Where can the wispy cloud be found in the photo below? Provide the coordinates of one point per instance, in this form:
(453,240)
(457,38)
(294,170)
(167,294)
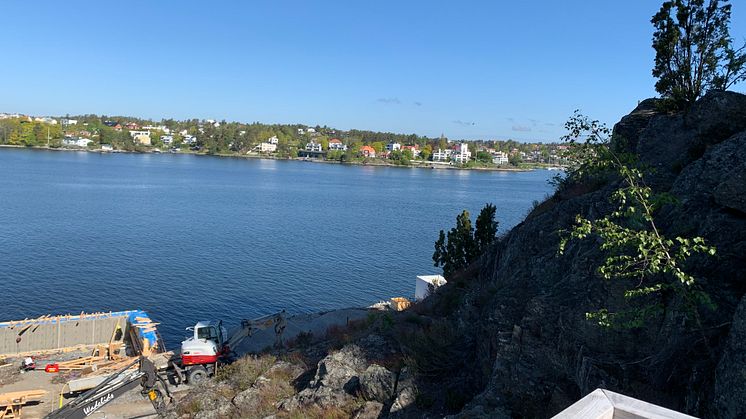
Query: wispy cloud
(417,103)
(463,123)
(389,100)
(521,128)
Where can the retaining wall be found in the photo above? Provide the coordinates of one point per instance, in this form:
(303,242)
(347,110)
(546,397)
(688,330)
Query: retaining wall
(58,332)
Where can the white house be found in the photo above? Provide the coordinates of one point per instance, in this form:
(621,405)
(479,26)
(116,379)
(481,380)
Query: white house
(46,120)
(167,139)
(461,154)
(189,139)
(393,146)
(500,158)
(442,155)
(335,144)
(267,147)
(107,147)
(76,141)
(311,130)
(273,140)
(313,146)
(69,121)
(163,128)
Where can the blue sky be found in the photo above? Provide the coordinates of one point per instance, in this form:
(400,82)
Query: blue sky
(468,69)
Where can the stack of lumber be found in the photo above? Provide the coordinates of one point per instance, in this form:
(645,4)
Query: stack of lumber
(84,364)
(145,324)
(103,358)
(10,403)
(400,303)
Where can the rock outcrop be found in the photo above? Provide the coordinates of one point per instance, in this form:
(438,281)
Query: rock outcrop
(526,308)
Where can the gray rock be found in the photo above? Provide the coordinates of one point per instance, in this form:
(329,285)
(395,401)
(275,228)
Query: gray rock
(247,400)
(371,410)
(730,378)
(377,384)
(730,193)
(406,393)
(336,380)
(340,370)
(322,396)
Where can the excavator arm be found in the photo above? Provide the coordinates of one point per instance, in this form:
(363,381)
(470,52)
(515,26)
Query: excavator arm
(248,327)
(124,380)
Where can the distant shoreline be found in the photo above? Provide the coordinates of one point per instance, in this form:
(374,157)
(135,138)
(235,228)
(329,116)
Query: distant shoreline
(415,165)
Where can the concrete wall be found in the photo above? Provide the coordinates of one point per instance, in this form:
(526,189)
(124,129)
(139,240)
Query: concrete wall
(58,332)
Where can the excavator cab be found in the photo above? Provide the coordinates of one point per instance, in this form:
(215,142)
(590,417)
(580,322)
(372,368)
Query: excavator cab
(213,331)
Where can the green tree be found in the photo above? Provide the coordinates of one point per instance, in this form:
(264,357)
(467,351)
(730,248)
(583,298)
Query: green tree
(426,152)
(693,50)
(635,247)
(378,146)
(462,244)
(324,141)
(486,228)
(484,157)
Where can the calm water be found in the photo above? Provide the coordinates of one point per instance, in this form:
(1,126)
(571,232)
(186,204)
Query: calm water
(190,238)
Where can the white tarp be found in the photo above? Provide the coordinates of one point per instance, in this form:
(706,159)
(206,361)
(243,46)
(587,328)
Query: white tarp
(426,283)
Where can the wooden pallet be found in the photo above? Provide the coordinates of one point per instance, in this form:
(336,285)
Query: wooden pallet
(11,403)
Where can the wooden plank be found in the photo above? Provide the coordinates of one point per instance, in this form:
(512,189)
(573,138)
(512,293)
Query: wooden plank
(21,397)
(593,406)
(80,363)
(626,407)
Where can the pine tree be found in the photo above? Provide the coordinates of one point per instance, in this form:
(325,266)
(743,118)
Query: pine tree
(694,50)
(462,244)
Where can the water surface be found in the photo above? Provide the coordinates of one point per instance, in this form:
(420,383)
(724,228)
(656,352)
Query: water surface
(190,238)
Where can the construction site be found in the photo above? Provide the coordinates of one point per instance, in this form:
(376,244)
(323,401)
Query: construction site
(115,364)
(46,361)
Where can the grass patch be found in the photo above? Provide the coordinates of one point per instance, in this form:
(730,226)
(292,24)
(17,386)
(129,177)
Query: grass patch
(243,373)
(191,408)
(345,411)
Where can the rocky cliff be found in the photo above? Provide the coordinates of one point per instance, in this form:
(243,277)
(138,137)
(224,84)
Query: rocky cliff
(508,337)
(554,355)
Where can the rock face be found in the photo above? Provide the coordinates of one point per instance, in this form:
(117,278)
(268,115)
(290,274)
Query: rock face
(377,384)
(729,400)
(525,310)
(347,375)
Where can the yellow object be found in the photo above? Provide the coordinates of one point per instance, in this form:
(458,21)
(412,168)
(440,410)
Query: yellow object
(400,303)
